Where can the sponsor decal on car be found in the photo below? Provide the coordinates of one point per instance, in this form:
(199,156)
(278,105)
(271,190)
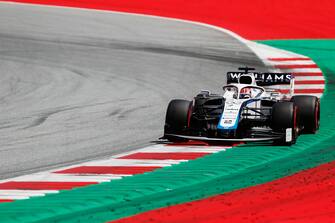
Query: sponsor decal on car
(262,79)
(230,116)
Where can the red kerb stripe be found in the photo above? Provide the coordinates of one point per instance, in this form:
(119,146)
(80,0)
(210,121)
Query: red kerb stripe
(108,170)
(164,156)
(289,59)
(189,143)
(309,74)
(293,66)
(14,185)
(5,200)
(302,91)
(310,82)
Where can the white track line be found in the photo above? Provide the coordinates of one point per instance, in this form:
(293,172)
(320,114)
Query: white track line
(132,162)
(25,193)
(319,95)
(265,52)
(15,197)
(297,86)
(302,70)
(306,78)
(180,149)
(303,62)
(53,177)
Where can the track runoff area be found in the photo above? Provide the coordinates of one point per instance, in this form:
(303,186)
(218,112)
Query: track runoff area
(309,80)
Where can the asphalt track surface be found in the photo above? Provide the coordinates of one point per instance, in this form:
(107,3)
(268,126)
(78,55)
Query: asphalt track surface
(78,84)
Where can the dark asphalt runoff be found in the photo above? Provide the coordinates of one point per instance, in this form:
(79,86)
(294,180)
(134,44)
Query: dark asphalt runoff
(77,85)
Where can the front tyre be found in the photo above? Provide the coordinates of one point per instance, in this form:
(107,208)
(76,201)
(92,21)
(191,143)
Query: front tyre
(177,118)
(284,116)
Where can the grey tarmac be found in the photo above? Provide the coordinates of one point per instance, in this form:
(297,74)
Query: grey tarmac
(77,85)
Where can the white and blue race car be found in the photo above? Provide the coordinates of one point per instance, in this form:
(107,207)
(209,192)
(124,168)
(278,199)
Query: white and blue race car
(244,112)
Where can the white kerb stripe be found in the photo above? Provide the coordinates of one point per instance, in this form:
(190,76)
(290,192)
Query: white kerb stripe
(313,94)
(179,149)
(299,86)
(29,193)
(301,62)
(306,78)
(302,70)
(14,197)
(132,162)
(52,177)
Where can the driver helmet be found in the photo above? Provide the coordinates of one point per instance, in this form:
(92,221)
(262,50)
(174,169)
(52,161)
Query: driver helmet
(245,92)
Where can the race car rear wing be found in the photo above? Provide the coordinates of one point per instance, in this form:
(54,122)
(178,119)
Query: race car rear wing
(262,79)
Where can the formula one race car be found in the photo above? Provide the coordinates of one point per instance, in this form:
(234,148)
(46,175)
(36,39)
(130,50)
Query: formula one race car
(246,111)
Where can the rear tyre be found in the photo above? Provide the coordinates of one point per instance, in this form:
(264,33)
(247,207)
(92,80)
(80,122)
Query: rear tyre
(284,116)
(177,118)
(308,112)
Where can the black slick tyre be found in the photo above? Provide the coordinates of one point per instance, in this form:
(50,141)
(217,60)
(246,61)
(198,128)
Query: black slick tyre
(284,116)
(308,112)
(177,118)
